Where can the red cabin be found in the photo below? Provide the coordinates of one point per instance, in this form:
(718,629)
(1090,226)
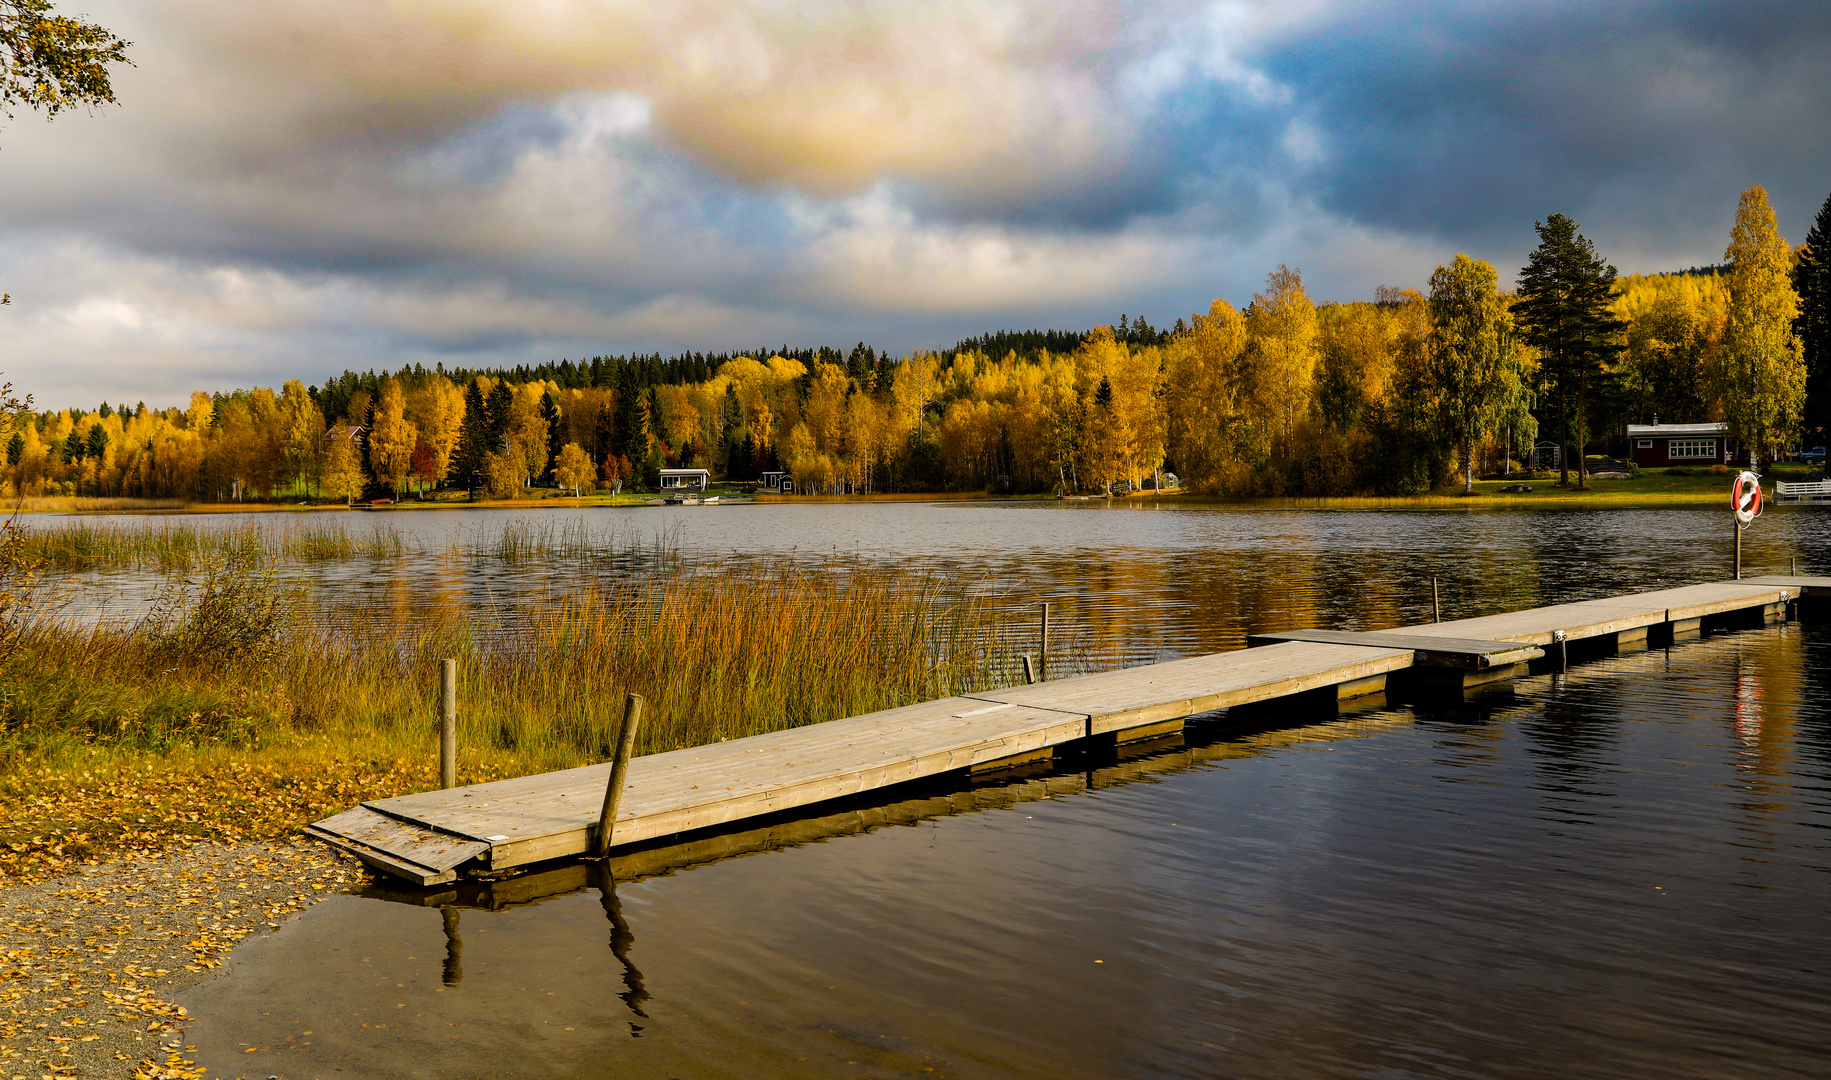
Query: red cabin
(1657,445)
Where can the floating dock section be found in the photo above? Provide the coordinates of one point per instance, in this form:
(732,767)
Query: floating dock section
(429,837)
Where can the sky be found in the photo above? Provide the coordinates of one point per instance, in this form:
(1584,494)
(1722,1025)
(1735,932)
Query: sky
(295,187)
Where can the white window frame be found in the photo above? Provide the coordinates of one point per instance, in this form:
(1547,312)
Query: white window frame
(1691,449)
(1643,444)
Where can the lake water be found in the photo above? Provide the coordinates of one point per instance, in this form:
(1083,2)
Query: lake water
(1128,583)
(1625,870)
(1620,871)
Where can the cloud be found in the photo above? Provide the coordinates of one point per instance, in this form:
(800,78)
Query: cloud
(296,186)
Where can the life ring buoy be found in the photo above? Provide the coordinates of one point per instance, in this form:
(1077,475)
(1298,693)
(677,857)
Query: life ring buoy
(1745,497)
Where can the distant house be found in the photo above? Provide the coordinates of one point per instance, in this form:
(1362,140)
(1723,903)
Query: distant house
(777,480)
(1657,445)
(685,481)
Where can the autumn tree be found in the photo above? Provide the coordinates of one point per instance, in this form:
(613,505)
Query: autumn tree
(302,431)
(51,62)
(342,464)
(1282,322)
(524,437)
(1761,372)
(436,408)
(1812,281)
(1564,309)
(392,437)
(572,468)
(1204,368)
(1470,354)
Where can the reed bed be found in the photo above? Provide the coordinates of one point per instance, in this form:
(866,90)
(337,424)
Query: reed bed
(179,545)
(232,657)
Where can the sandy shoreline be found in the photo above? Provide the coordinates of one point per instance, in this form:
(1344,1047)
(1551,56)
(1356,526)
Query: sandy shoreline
(90,959)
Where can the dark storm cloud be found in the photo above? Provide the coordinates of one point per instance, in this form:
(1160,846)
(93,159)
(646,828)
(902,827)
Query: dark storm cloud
(1647,120)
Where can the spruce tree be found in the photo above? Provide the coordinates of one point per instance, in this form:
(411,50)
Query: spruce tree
(1564,308)
(1812,280)
(473,439)
(556,434)
(496,416)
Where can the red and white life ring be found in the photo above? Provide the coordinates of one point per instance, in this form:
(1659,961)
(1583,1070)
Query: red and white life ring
(1745,497)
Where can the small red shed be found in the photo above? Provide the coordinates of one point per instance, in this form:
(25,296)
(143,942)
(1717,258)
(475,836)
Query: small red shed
(1657,445)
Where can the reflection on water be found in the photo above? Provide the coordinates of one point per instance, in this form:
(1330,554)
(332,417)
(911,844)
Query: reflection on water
(1620,870)
(1128,584)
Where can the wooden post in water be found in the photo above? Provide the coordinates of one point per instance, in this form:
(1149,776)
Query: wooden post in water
(448,723)
(1436,612)
(1043,655)
(613,791)
(1792,566)
(1029,671)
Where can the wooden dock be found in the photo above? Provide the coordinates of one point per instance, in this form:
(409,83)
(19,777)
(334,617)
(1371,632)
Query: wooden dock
(427,838)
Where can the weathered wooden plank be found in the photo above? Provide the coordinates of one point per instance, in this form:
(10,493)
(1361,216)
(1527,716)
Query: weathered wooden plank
(1133,697)
(1444,651)
(414,843)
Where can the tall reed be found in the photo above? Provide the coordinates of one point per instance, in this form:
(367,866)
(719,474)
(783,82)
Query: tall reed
(718,654)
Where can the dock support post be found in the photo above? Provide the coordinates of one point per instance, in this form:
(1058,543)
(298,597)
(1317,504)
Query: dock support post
(448,723)
(1043,653)
(1563,649)
(613,791)
(1436,612)
(1029,671)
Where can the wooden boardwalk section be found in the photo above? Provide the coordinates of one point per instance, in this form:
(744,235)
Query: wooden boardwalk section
(426,838)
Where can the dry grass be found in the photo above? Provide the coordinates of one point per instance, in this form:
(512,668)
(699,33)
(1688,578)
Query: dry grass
(180,544)
(36,504)
(235,684)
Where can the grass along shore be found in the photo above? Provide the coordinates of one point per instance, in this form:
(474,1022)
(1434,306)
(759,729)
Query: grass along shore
(240,709)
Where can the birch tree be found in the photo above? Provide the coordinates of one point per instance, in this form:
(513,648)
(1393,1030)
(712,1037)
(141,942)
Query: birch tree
(1469,354)
(1761,370)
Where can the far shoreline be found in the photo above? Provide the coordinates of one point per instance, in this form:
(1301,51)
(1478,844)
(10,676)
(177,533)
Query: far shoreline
(1652,488)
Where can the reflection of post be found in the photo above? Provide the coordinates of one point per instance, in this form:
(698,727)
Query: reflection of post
(621,940)
(454,947)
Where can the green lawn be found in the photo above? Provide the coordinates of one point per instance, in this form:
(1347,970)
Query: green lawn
(1652,485)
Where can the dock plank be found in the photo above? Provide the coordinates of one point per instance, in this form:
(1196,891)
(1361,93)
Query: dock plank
(1176,689)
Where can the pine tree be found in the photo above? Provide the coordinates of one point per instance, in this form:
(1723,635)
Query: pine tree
(1812,280)
(1760,371)
(1565,309)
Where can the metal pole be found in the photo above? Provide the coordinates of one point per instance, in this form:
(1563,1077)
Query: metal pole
(448,723)
(613,791)
(1738,551)
(1436,611)
(1043,655)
